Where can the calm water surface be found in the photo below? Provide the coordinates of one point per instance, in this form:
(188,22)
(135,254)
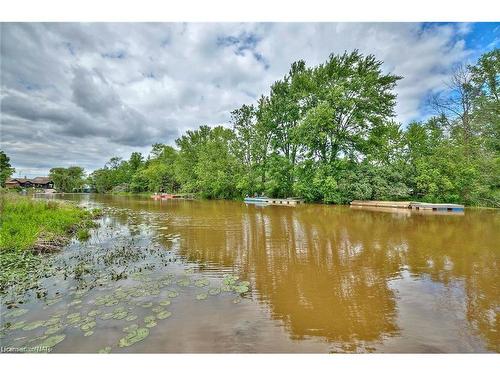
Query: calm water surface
(322,279)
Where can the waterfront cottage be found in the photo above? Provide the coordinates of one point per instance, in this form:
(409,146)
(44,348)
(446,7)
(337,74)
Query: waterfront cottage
(37,182)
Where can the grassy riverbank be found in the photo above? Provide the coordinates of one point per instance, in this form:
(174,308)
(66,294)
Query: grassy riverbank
(29,227)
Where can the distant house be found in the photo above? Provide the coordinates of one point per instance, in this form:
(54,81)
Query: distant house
(37,182)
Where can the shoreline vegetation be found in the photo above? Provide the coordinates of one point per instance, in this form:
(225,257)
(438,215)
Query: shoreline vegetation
(31,227)
(328,134)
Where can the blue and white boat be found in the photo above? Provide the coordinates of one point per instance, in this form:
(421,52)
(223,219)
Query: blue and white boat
(256,199)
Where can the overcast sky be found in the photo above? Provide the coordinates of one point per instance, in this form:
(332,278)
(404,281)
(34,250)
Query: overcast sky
(78,94)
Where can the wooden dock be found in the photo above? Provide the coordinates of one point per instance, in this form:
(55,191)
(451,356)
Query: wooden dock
(274,201)
(388,204)
(410,205)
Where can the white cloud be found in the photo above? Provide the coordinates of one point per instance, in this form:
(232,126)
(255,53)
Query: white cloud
(81,93)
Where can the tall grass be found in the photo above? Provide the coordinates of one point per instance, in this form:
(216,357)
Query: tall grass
(24,222)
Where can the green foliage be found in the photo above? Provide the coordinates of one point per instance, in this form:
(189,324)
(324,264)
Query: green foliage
(327,134)
(68,179)
(6,169)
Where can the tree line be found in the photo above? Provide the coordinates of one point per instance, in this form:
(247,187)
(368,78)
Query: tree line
(327,134)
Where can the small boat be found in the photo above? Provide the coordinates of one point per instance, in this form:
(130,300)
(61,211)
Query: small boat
(256,199)
(274,201)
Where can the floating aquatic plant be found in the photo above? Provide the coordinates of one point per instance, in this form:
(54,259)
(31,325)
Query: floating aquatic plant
(88,326)
(88,333)
(130,328)
(149,318)
(184,282)
(53,329)
(15,313)
(105,350)
(133,337)
(163,314)
(202,283)
(94,312)
(172,294)
(119,313)
(52,341)
(17,325)
(106,316)
(33,325)
(201,296)
(214,291)
(131,317)
(165,302)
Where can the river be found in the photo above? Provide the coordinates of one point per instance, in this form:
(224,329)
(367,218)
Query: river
(224,276)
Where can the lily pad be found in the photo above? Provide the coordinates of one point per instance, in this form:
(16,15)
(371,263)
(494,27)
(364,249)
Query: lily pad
(106,316)
(88,326)
(34,325)
(88,333)
(105,350)
(241,289)
(52,341)
(53,329)
(147,305)
(17,325)
(183,282)
(202,283)
(201,296)
(214,291)
(172,294)
(51,322)
(165,303)
(15,313)
(163,314)
(94,312)
(131,317)
(120,315)
(133,337)
(130,328)
(157,309)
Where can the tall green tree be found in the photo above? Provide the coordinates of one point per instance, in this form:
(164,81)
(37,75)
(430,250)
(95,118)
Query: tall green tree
(68,179)
(6,169)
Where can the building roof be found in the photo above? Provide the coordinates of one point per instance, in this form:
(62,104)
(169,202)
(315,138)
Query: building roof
(40,180)
(36,180)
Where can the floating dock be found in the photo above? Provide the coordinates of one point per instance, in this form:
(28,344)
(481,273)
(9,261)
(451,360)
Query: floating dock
(274,201)
(387,204)
(410,205)
(165,196)
(436,206)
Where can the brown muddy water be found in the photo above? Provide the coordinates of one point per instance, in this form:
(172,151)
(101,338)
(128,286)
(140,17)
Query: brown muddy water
(220,276)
